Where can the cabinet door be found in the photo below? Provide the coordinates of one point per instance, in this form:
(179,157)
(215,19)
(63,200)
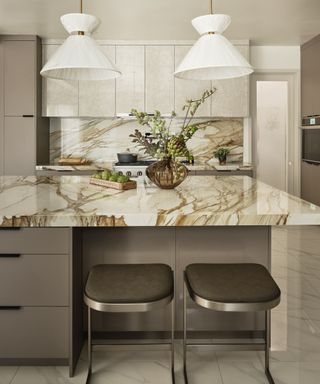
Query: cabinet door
(130,86)
(97,98)
(232,96)
(34,333)
(310,182)
(159,78)
(1,110)
(59,97)
(189,89)
(19,83)
(309,79)
(307,85)
(19,146)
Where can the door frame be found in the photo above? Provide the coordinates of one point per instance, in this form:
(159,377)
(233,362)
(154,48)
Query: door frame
(293,136)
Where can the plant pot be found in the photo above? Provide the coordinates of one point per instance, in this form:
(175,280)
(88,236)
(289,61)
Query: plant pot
(223,160)
(167,173)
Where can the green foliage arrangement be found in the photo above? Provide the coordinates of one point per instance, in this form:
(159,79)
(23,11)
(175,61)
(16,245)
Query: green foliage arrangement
(221,154)
(161,143)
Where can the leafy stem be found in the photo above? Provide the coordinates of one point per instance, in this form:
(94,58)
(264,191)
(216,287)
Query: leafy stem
(160,142)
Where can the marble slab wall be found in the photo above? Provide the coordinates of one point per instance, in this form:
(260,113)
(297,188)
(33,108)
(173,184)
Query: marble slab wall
(99,140)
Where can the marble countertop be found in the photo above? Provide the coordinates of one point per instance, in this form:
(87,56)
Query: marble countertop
(66,201)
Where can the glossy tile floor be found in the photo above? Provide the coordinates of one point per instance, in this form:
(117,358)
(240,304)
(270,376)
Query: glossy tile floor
(295,329)
(205,367)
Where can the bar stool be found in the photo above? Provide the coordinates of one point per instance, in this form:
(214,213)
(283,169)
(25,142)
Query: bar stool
(231,288)
(129,288)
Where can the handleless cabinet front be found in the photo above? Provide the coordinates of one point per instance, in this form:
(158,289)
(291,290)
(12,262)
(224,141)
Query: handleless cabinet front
(19,82)
(34,280)
(33,333)
(34,295)
(310,182)
(159,88)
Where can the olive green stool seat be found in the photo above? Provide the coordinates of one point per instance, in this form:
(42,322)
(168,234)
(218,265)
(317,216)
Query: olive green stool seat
(129,288)
(231,288)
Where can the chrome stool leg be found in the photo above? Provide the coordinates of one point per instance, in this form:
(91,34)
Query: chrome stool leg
(172,339)
(89,347)
(185,332)
(267,346)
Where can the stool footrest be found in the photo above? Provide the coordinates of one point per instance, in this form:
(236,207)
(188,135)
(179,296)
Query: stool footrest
(130,346)
(231,347)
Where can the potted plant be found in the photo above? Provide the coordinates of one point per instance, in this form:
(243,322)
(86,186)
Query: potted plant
(221,154)
(166,146)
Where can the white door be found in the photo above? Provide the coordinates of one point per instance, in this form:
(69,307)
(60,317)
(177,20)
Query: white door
(273,112)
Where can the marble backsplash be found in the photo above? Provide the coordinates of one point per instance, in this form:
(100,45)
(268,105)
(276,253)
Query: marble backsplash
(99,140)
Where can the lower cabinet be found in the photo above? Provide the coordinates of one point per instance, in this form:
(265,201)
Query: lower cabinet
(34,295)
(310,182)
(34,333)
(39,280)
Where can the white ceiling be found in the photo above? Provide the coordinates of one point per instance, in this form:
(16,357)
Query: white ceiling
(262,21)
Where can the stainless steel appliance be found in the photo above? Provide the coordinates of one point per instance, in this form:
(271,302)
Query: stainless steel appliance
(135,169)
(311,144)
(310,167)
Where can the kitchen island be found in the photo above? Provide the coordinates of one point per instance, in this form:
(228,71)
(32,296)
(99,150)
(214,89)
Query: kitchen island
(200,201)
(54,229)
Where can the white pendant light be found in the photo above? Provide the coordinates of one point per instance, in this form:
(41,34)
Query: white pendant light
(212,57)
(80,57)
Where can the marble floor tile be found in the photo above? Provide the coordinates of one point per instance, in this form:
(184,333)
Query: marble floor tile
(241,367)
(50,375)
(7,374)
(296,373)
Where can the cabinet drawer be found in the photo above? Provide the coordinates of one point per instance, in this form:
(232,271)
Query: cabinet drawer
(34,280)
(35,240)
(34,332)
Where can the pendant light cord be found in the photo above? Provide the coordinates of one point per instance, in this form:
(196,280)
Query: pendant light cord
(81,6)
(211,6)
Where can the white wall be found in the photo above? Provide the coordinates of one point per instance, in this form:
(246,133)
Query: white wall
(275,58)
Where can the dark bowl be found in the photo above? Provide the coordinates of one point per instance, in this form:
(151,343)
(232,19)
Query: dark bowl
(126,157)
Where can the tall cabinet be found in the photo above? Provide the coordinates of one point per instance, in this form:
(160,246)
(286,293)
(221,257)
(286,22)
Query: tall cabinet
(310,106)
(24,133)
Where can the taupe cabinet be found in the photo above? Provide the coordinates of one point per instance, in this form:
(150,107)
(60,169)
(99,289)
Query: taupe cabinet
(147,83)
(34,294)
(24,134)
(310,77)
(310,182)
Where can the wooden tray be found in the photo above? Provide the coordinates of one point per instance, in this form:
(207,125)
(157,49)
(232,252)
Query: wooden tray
(73,161)
(114,184)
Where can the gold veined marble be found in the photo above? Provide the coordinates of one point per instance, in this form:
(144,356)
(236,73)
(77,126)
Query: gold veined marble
(70,201)
(99,140)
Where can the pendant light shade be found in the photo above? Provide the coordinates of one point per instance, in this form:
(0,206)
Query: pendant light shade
(212,57)
(79,57)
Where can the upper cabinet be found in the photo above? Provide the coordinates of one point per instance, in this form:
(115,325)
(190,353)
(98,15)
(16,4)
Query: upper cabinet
(231,98)
(189,89)
(310,78)
(20,78)
(59,97)
(147,83)
(97,98)
(159,78)
(130,59)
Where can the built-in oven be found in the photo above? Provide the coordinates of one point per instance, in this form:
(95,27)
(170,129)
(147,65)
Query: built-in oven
(311,140)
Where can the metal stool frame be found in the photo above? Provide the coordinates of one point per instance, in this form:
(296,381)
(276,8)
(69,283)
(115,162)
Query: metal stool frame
(229,307)
(129,307)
